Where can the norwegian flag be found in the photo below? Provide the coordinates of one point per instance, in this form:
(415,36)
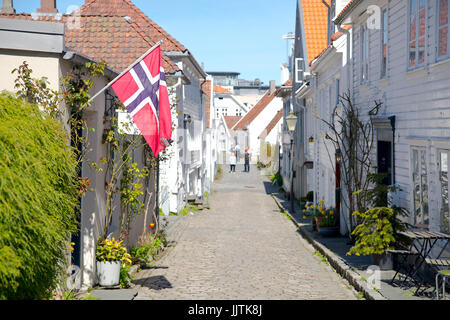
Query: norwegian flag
(143,91)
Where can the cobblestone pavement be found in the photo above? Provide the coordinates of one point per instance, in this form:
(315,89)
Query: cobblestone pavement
(243,248)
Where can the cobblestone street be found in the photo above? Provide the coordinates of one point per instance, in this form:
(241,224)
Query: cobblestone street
(243,248)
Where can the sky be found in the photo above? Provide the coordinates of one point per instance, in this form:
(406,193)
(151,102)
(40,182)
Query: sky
(242,36)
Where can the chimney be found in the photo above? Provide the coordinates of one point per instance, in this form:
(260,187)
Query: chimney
(48,6)
(272,86)
(7,7)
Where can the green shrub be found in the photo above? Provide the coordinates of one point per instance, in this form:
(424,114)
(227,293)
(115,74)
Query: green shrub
(38,200)
(310,196)
(375,234)
(276,178)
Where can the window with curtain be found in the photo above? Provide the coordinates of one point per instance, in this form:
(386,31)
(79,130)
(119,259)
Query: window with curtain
(443,13)
(417,31)
(420,187)
(443,156)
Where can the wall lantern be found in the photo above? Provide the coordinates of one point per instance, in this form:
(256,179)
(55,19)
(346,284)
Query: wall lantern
(338,156)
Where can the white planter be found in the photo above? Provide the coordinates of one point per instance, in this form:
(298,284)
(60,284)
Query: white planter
(384,261)
(108,273)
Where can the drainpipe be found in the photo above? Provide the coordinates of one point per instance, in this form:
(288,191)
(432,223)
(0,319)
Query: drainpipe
(328,22)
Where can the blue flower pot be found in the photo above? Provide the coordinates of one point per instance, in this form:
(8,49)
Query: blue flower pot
(329,231)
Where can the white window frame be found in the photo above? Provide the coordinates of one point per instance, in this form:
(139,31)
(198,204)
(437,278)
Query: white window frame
(408,25)
(299,70)
(424,222)
(364,56)
(384,36)
(441,187)
(438,28)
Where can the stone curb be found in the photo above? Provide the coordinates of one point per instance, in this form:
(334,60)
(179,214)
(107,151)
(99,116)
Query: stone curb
(341,267)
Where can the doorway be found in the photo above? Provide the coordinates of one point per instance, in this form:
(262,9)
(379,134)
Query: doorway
(384,164)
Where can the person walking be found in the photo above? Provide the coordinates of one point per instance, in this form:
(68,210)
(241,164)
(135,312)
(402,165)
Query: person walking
(247,160)
(237,148)
(233,162)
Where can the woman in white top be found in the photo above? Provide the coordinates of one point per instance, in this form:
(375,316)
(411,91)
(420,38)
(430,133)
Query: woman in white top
(233,162)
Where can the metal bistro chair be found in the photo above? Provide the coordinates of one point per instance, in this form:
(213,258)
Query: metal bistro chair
(401,265)
(445,274)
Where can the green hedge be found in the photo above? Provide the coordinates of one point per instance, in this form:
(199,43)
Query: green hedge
(38,200)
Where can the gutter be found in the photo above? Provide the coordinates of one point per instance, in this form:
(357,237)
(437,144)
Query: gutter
(322,56)
(81,59)
(187,54)
(345,12)
(302,91)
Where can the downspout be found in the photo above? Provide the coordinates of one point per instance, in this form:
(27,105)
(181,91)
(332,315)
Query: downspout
(328,22)
(392,119)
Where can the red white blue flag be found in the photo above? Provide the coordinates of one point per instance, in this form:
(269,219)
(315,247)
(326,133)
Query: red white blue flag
(143,91)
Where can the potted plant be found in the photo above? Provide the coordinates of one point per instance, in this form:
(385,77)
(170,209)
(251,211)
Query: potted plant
(110,254)
(326,221)
(380,227)
(375,235)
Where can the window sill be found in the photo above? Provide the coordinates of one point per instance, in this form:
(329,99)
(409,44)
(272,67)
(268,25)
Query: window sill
(383,80)
(415,70)
(364,84)
(440,62)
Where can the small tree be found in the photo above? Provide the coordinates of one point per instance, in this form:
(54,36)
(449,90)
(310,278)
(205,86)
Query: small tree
(354,137)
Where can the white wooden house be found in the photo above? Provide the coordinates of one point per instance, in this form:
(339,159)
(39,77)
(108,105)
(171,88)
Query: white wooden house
(395,52)
(401,56)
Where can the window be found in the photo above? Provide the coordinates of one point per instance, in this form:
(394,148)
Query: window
(443,13)
(420,187)
(443,157)
(364,53)
(299,67)
(416,34)
(384,40)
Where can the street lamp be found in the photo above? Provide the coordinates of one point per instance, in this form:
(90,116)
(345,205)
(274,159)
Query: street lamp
(291,121)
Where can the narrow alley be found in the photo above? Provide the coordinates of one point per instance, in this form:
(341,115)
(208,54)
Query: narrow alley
(242,248)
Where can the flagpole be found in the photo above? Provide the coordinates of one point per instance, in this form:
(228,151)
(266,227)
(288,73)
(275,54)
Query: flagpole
(128,69)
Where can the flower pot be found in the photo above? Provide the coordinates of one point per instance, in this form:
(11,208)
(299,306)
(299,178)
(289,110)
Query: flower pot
(383,261)
(328,231)
(108,273)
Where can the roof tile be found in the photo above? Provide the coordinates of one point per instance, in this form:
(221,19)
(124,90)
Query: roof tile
(315,15)
(101,43)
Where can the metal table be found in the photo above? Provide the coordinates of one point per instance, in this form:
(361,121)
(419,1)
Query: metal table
(423,242)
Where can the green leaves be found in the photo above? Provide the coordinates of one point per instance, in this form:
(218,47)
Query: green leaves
(112,250)
(38,199)
(375,234)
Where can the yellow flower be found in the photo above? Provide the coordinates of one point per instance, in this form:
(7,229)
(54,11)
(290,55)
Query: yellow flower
(320,208)
(321,202)
(331,212)
(304,217)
